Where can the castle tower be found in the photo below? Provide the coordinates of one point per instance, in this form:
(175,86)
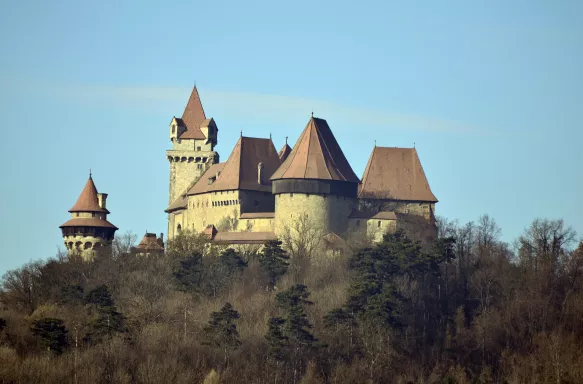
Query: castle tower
(193,138)
(88,229)
(316,182)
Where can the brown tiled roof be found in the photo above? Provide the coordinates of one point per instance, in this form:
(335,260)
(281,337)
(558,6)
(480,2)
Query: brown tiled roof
(210,231)
(257,215)
(202,185)
(284,153)
(382,215)
(150,242)
(181,202)
(87,201)
(240,170)
(395,174)
(88,222)
(316,155)
(244,237)
(334,241)
(193,117)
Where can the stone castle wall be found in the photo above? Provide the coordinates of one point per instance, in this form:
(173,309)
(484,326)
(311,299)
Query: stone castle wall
(330,210)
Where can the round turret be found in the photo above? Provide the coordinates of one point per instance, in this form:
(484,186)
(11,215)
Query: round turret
(315,185)
(88,229)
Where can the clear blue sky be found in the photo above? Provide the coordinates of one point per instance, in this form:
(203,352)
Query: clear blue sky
(491,92)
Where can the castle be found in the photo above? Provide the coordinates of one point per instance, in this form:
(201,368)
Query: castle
(262,194)
(259,193)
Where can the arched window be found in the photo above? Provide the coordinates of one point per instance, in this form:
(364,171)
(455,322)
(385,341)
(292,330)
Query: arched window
(179,228)
(87,245)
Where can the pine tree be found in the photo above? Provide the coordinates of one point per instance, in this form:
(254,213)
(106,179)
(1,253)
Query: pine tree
(289,338)
(188,273)
(106,320)
(52,334)
(221,330)
(232,261)
(71,295)
(273,262)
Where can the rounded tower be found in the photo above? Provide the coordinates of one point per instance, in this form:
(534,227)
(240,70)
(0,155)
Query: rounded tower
(88,229)
(315,186)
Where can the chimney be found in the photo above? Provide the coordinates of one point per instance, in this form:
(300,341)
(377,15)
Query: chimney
(260,173)
(102,200)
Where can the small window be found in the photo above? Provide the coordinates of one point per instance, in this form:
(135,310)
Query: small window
(198,148)
(92,214)
(358,223)
(379,224)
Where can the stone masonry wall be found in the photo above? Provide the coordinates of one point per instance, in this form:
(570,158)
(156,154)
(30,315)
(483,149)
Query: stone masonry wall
(329,210)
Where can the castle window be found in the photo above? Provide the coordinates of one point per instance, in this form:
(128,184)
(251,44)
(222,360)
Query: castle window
(358,223)
(77,214)
(291,195)
(92,214)
(379,224)
(198,148)
(179,228)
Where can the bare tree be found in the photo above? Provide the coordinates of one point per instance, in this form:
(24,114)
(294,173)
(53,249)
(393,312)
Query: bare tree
(20,288)
(122,244)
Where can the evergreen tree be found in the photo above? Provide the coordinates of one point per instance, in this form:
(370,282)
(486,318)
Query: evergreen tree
(273,262)
(51,333)
(296,324)
(275,338)
(71,295)
(106,319)
(232,261)
(289,337)
(188,272)
(221,330)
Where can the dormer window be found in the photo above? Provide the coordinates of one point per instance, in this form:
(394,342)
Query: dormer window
(173,129)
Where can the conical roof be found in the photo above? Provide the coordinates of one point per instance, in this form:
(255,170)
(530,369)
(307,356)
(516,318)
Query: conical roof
(395,174)
(284,152)
(241,169)
(87,201)
(193,117)
(316,155)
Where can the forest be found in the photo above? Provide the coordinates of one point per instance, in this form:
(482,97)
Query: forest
(466,308)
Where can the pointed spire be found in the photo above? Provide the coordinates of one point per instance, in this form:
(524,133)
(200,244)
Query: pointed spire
(193,117)
(87,201)
(316,155)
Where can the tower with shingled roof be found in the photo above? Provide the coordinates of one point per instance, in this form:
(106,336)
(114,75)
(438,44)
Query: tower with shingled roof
(316,182)
(193,137)
(88,229)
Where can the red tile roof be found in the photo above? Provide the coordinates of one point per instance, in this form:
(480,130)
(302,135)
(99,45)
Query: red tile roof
(88,222)
(193,117)
(202,185)
(382,215)
(395,174)
(244,237)
(316,155)
(150,243)
(240,170)
(257,215)
(284,153)
(87,201)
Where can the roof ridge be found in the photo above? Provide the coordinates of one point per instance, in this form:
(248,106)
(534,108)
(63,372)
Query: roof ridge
(324,146)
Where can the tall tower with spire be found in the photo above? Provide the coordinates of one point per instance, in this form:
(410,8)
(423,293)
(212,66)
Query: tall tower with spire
(88,229)
(193,137)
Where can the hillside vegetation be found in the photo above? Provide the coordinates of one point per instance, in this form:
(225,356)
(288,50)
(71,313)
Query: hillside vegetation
(466,309)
